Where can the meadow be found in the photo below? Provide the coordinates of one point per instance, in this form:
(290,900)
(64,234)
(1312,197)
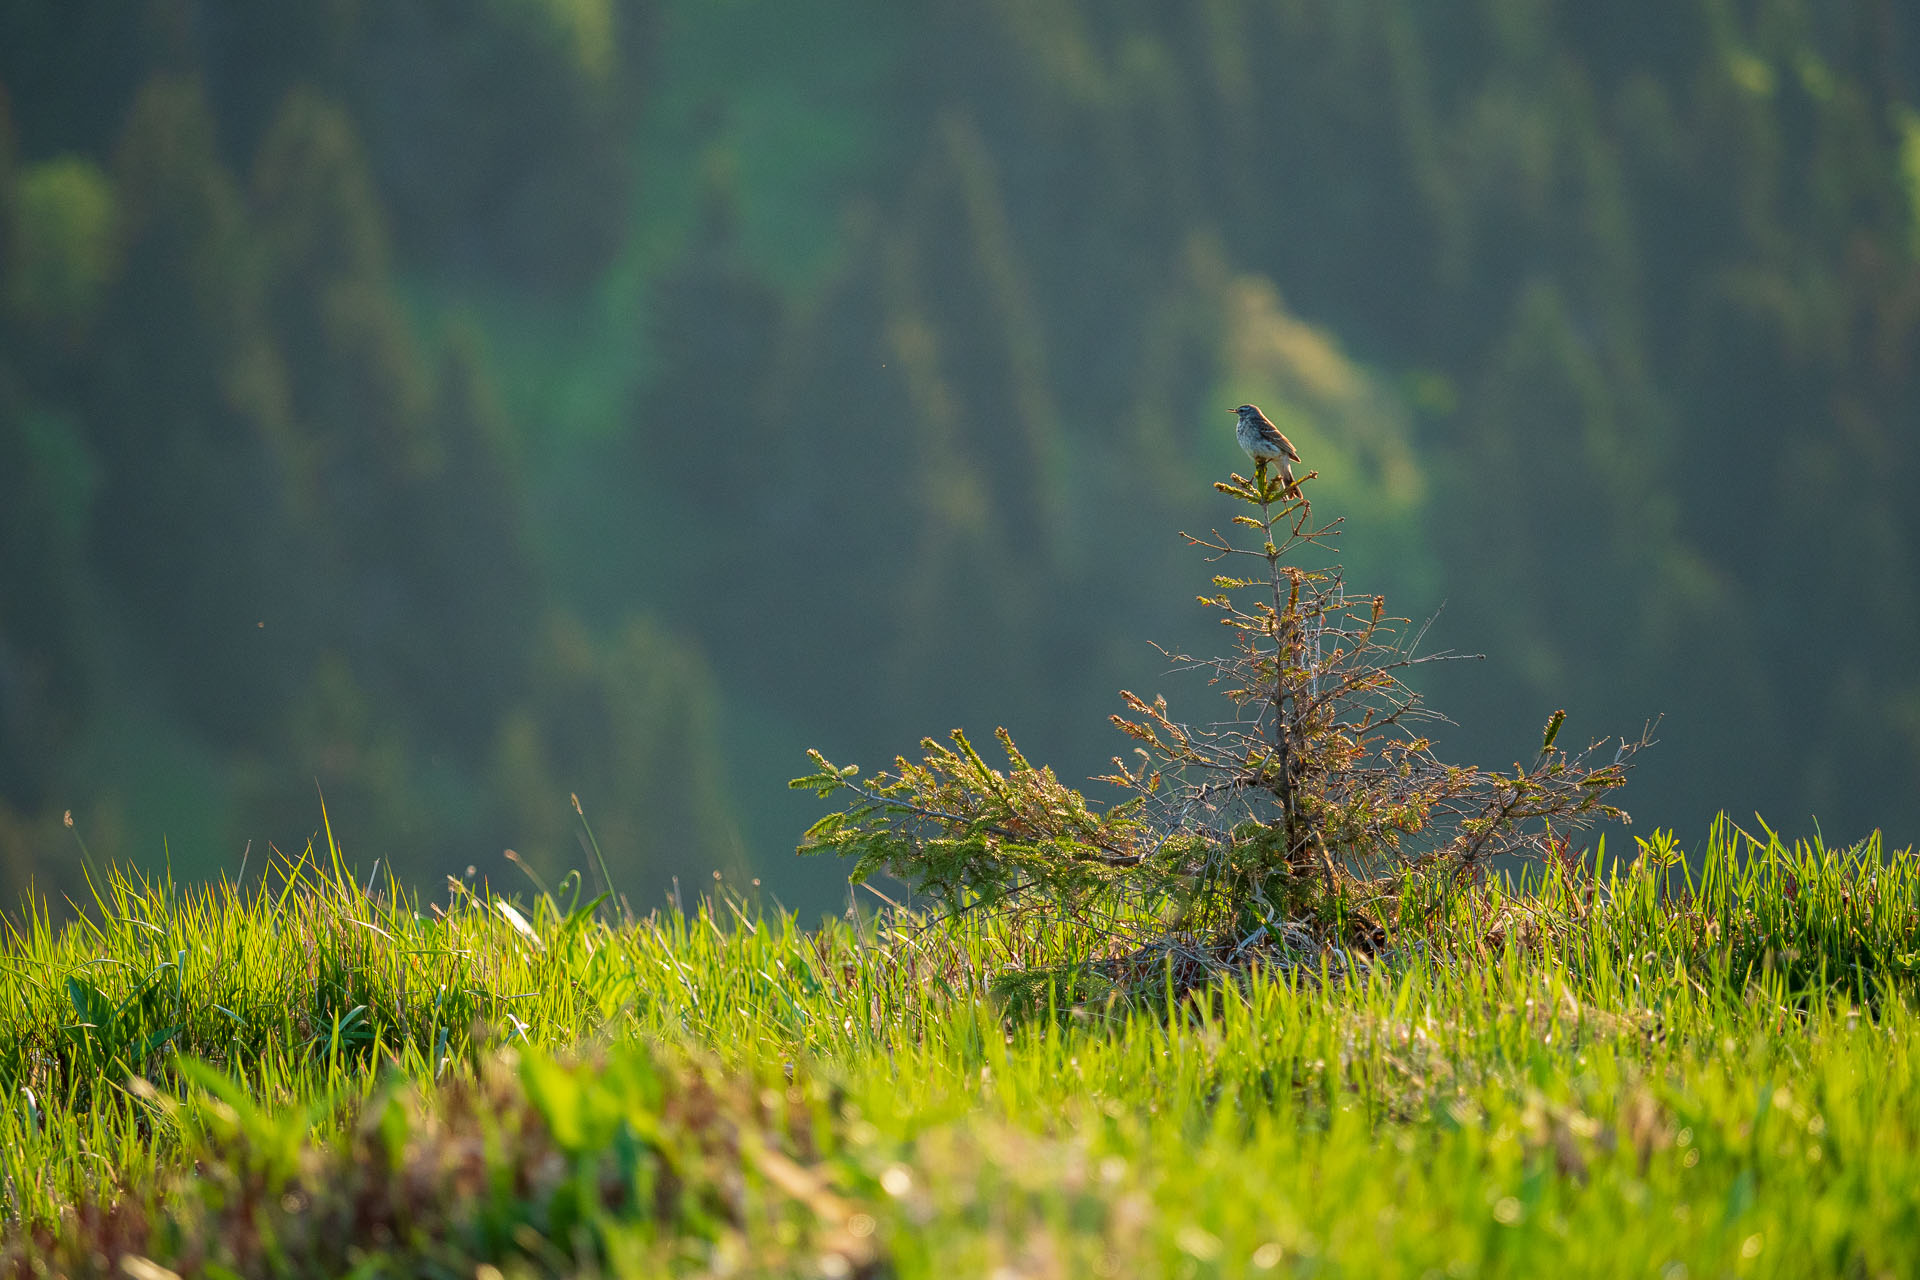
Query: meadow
(448,409)
(1675,1065)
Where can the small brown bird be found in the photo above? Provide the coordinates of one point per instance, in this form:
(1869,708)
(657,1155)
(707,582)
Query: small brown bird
(1264,443)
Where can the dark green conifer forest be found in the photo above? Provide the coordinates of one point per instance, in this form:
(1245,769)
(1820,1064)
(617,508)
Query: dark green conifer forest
(462,407)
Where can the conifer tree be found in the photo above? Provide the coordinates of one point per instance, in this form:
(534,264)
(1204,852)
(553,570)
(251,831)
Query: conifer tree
(1313,793)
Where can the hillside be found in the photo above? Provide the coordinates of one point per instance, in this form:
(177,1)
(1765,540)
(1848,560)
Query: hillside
(614,397)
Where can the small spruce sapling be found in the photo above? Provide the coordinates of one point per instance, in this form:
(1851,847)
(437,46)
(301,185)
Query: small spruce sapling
(1316,791)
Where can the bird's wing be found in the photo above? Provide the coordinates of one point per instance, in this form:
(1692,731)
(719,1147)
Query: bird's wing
(1272,435)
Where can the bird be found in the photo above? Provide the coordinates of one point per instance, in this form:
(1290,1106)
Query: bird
(1264,443)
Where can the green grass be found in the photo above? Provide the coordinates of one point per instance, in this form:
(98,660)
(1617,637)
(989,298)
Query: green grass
(1653,1072)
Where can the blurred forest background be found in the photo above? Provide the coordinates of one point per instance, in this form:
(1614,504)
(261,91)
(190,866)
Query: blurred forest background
(465,404)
